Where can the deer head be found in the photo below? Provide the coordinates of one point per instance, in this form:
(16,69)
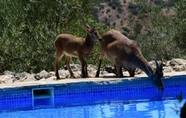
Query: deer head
(92,32)
(157,76)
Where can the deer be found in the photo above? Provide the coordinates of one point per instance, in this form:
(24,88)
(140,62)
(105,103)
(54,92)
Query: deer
(126,53)
(72,46)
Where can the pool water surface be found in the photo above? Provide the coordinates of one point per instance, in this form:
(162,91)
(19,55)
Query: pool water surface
(144,109)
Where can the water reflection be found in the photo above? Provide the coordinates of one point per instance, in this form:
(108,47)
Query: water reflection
(146,109)
(155,109)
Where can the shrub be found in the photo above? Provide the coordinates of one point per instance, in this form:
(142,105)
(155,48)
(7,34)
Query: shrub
(29,28)
(117,16)
(126,29)
(120,10)
(158,39)
(114,4)
(108,10)
(114,24)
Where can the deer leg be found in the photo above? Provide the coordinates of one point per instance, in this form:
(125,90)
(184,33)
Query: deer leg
(67,62)
(115,70)
(121,72)
(118,69)
(98,71)
(57,60)
(83,70)
(132,72)
(100,61)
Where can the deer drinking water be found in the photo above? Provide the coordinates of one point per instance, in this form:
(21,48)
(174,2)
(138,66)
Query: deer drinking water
(71,46)
(126,53)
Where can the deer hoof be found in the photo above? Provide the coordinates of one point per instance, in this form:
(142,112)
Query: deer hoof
(73,77)
(84,76)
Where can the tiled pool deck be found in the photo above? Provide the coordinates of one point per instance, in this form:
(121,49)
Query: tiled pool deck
(80,80)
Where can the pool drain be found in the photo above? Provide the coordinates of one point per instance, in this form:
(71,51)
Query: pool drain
(42,97)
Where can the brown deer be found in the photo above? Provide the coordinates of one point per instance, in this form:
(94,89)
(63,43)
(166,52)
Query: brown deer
(126,53)
(72,46)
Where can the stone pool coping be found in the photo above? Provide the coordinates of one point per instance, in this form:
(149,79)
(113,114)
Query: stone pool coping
(63,82)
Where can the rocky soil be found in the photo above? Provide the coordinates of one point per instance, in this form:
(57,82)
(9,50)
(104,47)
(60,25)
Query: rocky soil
(122,15)
(8,77)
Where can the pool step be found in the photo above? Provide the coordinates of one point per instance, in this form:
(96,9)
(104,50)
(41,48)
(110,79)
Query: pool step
(42,97)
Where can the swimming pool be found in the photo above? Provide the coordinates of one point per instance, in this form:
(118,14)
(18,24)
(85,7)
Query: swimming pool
(148,109)
(103,99)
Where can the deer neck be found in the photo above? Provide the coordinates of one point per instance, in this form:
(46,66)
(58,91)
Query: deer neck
(149,70)
(89,41)
(146,67)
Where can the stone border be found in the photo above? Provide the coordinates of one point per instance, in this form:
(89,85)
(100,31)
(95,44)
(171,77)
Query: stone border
(10,79)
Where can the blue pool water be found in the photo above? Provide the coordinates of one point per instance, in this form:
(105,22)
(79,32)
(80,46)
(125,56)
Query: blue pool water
(148,109)
(106,99)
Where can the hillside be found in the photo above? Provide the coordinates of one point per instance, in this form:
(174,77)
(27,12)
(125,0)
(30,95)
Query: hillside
(115,14)
(122,14)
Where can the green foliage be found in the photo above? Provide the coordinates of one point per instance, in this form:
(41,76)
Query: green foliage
(133,8)
(115,4)
(120,10)
(156,33)
(137,27)
(163,4)
(117,16)
(28,30)
(142,7)
(126,29)
(180,23)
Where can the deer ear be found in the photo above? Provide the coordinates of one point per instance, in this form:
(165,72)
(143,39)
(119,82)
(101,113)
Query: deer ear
(87,26)
(159,67)
(94,28)
(87,30)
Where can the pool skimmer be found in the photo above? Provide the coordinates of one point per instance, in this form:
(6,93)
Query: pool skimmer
(42,97)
